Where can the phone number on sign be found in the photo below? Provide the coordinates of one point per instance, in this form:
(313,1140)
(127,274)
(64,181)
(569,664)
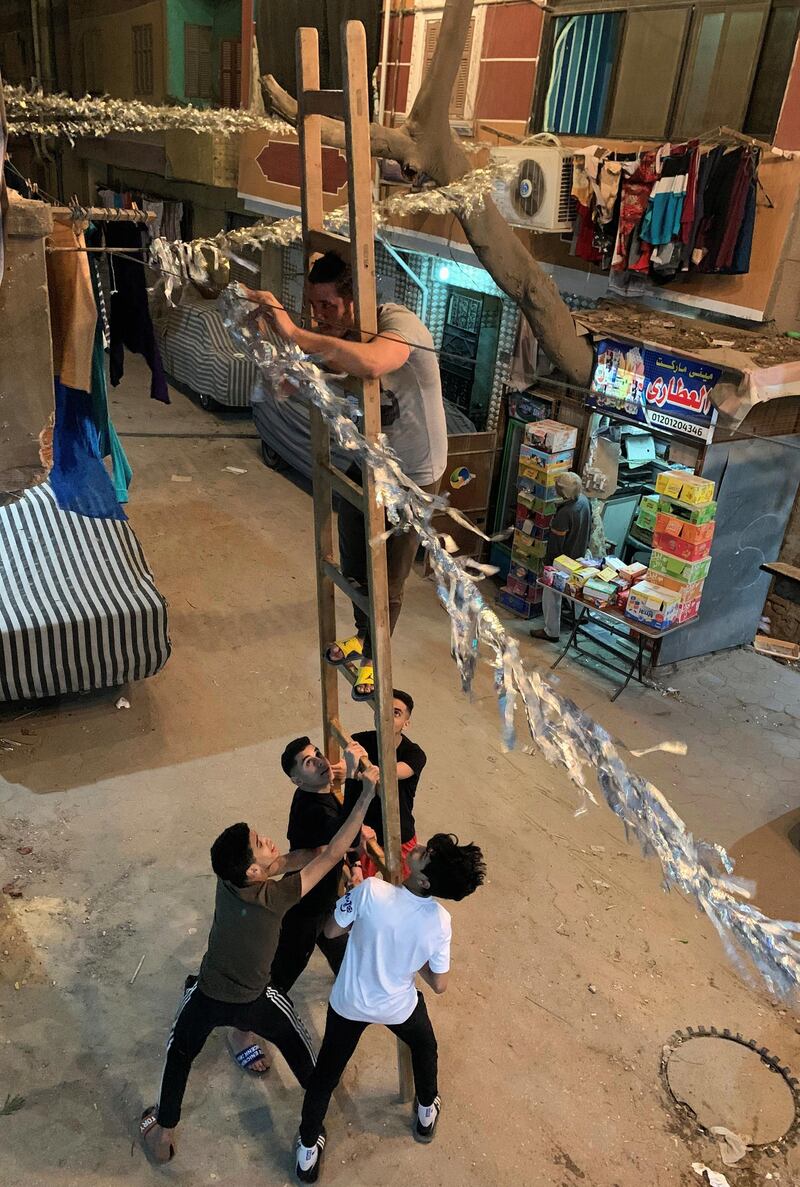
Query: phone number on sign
(681,426)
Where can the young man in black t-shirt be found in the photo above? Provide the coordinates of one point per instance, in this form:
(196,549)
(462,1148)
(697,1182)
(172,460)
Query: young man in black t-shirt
(411,760)
(314,817)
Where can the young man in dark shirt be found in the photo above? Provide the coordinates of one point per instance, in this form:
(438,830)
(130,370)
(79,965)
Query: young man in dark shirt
(316,815)
(232,989)
(411,760)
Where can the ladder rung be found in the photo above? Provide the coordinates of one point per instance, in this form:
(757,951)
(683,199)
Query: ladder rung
(345,487)
(323,241)
(347,587)
(330,103)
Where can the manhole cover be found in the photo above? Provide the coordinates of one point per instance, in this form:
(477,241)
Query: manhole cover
(722,1079)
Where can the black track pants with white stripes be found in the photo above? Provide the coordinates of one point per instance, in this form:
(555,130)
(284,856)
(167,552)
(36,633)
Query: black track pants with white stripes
(339,1044)
(272,1016)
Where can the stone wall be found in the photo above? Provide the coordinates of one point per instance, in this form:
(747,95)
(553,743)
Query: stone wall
(785,616)
(26,358)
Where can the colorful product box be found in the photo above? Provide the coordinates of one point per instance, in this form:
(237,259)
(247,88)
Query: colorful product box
(633,573)
(517,605)
(548,461)
(677,546)
(688,610)
(526,494)
(652,605)
(688,488)
(599,593)
(695,533)
(687,590)
(672,566)
(522,573)
(645,521)
(567,565)
(525,546)
(551,436)
(691,514)
(542,477)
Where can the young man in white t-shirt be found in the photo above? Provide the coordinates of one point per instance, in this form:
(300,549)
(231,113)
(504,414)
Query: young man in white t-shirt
(395,932)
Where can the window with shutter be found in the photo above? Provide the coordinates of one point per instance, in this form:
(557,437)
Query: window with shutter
(230,73)
(458,99)
(142,59)
(92,58)
(197,61)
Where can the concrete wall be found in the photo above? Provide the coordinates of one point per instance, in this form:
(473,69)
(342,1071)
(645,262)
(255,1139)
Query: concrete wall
(226,22)
(26,372)
(785,616)
(113,26)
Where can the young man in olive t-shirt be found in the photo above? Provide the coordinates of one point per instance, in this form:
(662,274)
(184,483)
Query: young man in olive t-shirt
(232,989)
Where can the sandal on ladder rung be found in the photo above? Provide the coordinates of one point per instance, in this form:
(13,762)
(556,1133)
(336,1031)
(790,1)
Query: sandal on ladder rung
(351,650)
(365,679)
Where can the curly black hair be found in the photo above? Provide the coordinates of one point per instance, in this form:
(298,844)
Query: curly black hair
(453,870)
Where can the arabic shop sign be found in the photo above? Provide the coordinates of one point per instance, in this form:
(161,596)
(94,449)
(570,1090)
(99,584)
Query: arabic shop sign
(661,390)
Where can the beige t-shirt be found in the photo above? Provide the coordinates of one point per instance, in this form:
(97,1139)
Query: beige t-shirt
(412,411)
(244,936)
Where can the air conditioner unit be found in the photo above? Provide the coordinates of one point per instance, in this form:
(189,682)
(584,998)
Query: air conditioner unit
(537,194)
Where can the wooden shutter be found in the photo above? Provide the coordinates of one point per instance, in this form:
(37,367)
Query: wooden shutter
(197,61)
(230,73)
(458,99)
(142,59)
(92,58)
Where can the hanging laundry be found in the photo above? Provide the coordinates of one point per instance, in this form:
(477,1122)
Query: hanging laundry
(73,312)
(79,479)
(662,220)
(634,198)
(109,443)
(743,180)
(154,206)
(131,324)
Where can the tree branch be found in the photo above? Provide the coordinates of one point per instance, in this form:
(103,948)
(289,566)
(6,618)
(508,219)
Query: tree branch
(393,144)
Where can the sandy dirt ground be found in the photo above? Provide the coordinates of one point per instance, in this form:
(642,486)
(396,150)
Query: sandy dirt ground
(571,967)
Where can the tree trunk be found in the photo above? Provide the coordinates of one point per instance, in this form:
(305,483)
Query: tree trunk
(425,146)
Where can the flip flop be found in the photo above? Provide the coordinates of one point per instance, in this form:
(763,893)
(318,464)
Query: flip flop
(247,1058)
(351,650)
(365,679)
(146,1123)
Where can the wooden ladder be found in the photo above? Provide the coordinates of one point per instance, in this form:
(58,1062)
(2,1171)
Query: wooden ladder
(352,105)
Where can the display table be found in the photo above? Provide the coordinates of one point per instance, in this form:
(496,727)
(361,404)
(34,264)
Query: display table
(616,624)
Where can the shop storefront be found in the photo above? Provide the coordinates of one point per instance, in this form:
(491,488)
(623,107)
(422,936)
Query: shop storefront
(656,417)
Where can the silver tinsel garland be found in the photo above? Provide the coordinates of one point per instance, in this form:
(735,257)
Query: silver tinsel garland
(562,733)
(38,114)
(182,262)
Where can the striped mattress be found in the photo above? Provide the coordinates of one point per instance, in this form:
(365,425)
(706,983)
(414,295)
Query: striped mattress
(79,609)
(198,352)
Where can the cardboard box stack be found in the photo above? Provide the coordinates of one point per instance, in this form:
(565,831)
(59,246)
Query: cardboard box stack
(548,450)
(680,560)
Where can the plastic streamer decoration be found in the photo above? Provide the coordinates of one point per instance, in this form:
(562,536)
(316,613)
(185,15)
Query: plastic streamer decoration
(37,114)
(187,261)
(562,733)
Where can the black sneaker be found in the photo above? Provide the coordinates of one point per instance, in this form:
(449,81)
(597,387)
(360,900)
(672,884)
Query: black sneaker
(426,1133)
(312,1174)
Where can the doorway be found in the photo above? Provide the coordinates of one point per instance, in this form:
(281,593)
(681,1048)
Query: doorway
(468,356)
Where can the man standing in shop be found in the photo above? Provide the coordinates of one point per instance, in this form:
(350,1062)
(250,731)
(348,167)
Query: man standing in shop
(402,356)
(569,536)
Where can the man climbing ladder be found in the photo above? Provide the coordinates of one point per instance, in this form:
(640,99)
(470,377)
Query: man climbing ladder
(402,356)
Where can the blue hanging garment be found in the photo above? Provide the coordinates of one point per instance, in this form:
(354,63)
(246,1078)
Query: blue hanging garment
(78,478)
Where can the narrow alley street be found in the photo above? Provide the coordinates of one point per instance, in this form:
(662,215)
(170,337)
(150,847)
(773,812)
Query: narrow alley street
(571,966)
